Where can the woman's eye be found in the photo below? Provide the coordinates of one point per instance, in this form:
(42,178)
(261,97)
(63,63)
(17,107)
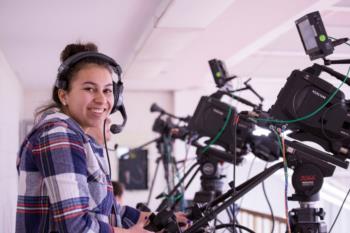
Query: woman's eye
(89,89)
(108,91)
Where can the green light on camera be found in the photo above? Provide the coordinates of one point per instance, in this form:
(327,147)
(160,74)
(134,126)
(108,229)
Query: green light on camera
(218,74)
(322,38)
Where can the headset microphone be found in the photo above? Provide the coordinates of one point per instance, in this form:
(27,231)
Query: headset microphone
(117,128)
(114,129)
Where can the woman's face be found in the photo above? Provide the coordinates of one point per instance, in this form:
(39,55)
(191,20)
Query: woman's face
(90,98)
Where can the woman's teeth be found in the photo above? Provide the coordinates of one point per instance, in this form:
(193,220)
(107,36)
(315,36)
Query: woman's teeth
(97,110)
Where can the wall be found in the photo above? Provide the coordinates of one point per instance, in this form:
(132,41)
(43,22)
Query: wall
(11,104)
(33,99)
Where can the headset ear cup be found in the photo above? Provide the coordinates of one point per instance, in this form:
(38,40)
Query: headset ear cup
(115,94)
(118,106)
(118,95)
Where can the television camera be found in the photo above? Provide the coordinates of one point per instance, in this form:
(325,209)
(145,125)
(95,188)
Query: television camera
(321,110)
(327,124)
(313,109)
(236,136)
(235,141)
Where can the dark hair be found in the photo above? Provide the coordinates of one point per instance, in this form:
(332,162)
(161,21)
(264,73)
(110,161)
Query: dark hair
(118,188)
(67,52)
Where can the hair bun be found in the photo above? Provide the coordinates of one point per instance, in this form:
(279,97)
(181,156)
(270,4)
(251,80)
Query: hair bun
(72,49)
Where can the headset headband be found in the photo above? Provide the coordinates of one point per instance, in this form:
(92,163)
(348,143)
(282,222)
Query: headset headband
(72,60)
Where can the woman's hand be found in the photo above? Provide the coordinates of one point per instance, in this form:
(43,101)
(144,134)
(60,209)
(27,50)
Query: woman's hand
(137,228)
(182,220)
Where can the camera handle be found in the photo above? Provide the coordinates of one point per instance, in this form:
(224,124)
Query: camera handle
(317,69)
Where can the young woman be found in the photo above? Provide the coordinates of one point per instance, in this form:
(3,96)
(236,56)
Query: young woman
(64,184)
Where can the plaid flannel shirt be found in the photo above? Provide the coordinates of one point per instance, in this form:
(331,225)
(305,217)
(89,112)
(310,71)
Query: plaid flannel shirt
(64,184)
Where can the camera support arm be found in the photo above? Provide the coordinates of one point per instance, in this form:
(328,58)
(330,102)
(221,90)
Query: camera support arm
(250,88)
(331,62)
(140,147)
(341,61)
(219,94)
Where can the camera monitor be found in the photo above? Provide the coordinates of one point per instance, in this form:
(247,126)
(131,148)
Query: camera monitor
(219,72)
(313,35)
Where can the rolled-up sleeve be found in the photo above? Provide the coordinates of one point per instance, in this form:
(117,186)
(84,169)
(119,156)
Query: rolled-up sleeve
(126,216)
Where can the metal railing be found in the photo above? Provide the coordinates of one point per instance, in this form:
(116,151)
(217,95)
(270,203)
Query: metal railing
(260,222)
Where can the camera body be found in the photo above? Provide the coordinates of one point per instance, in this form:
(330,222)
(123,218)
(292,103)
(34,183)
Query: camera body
(209,118)
(304,93)
(163,126)
(237,137)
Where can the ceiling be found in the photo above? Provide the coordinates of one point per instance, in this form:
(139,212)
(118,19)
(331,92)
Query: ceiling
(166,44)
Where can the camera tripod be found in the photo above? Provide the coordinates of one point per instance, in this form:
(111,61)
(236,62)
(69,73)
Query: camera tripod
(307,218)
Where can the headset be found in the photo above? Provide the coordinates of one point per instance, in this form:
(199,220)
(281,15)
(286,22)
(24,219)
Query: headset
(66,66)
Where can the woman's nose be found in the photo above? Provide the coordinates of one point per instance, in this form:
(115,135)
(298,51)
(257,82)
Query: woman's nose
(100,97)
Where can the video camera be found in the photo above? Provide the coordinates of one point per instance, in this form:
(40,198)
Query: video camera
(165,125)
(227,128)
(313,109)
(321,111)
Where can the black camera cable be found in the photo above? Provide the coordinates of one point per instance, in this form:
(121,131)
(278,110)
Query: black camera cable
(341,207)
(248,176)
(105,142)
(269,204)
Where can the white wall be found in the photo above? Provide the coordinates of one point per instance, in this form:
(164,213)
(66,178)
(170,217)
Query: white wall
(34,99)
(11,104)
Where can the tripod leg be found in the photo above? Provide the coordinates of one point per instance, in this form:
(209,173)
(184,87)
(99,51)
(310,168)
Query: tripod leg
(152,185)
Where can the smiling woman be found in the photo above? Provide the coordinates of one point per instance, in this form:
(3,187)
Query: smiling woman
(64,182)
(90,96)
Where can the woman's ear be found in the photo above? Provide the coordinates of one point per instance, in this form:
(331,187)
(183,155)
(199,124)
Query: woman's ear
(62,95)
